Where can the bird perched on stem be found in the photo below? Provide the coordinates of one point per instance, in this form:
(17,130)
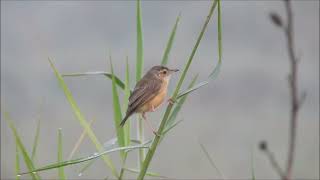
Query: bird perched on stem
(149,93)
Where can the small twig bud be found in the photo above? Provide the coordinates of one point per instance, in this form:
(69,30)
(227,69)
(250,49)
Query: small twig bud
(276,19)
(263,145)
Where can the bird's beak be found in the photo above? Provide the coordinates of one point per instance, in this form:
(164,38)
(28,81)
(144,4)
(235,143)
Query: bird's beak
(174,70)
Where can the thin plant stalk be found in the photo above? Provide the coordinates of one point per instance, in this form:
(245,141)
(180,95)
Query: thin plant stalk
(81,138)
(139,69)
(60,169)
(140,135)
(17,163)
(293,84)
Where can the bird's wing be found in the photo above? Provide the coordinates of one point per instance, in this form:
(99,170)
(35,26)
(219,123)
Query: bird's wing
(145,90)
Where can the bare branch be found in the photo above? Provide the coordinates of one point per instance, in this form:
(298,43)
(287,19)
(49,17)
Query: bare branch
(274,163)
(289,31)
(296,101)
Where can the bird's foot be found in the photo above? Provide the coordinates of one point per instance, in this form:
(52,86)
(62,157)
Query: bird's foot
(171,101)
(156,133)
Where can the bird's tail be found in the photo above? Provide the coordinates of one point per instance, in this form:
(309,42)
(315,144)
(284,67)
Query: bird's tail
(125,119)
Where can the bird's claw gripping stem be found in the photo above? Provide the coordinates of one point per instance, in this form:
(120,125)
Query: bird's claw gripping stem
(171,101)
(156,133)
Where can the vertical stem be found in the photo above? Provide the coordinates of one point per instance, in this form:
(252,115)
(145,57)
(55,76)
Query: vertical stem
(293,89)
(156,139)
(139,69)
(17,164)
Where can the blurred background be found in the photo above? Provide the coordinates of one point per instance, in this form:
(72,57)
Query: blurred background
(248,102)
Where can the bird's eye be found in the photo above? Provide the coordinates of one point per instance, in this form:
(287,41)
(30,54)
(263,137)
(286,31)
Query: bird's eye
(164,72)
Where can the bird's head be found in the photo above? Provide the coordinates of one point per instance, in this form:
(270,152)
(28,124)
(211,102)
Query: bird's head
(163,72)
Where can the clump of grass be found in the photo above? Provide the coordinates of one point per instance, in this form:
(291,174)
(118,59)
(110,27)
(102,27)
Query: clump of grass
(123,138)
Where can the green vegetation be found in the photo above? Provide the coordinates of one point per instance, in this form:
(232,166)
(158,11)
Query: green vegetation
(146,149)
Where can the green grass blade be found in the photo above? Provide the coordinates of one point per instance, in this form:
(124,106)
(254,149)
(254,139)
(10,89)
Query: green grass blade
(211,160)
(171,126)
(191,89)
(80,140)
(169,43)
(83,122)
(214,74)
(107,74)
(107,146)
(126,127)
(194,50)
(36,137)
(36,140)
(17,163)
(156,139)
(140,62)
(125,104)
(139,71)
(151,174)
(60,169)
(21,147)
(80,160)
(117,113)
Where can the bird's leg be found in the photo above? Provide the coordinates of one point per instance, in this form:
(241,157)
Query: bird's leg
(153,109)
(149,125)
(171,101)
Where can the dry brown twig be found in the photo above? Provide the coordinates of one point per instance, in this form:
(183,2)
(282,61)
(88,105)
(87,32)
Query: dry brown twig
(296,103)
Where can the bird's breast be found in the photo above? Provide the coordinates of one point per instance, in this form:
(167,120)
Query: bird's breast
(157,100)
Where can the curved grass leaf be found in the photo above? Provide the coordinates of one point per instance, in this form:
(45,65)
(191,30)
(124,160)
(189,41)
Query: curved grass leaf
(80,160)
(26,157)
(117,112)
(107,74)
(170,42)
(60,170)
(83,122)
(186,92)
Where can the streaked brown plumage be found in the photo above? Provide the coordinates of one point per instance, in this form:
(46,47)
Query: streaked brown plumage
(149,92)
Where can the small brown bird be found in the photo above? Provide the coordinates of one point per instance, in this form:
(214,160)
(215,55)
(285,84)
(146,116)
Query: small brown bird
(149,93)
